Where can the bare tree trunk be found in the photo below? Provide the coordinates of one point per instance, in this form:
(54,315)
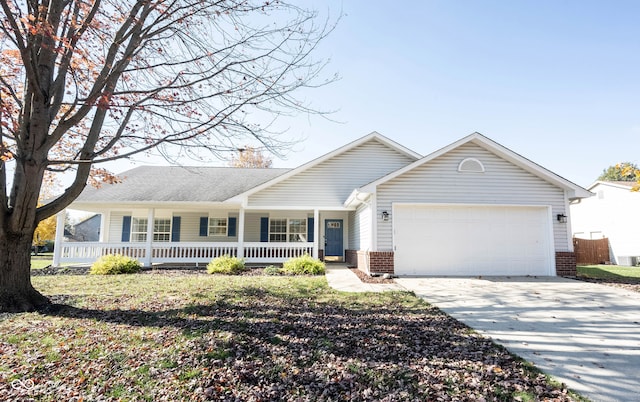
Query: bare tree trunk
(16,292)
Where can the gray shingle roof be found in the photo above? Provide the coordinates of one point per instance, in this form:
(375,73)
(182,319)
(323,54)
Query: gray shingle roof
(179,184)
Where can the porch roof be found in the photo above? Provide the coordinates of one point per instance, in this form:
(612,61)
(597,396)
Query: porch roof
(178,184)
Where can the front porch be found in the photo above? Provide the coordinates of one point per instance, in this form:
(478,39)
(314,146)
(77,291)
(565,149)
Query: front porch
(198,252)
(190,236)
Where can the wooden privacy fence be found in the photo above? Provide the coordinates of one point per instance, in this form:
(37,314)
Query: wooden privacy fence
(591,251)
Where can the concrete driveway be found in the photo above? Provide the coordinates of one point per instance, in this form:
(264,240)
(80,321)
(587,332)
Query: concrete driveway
(585,335)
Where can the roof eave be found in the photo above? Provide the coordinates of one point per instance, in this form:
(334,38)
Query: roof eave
(354,200)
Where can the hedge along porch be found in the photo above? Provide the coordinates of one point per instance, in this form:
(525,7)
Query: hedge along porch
(372,203)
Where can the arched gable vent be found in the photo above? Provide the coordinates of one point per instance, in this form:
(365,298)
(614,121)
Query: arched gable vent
(471,165)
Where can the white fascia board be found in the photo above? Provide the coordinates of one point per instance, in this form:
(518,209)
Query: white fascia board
(102,206)
(298,208)
(317,161)
(574,191)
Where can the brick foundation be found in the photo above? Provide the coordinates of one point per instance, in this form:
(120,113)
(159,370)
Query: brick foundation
(380,262)
(351,257)
(565,263)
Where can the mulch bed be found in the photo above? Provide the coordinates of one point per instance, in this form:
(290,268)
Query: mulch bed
(370,279)
(631,284)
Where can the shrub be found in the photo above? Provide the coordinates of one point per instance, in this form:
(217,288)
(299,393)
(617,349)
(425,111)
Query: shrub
(304,265)
(226,265)
(113,264)
(272,270)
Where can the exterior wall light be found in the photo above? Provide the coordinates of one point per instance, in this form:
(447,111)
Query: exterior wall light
(385,216)
(562,218)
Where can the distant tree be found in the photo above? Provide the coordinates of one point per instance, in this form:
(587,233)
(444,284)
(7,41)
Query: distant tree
(623,171)
(250,157)
(46,229)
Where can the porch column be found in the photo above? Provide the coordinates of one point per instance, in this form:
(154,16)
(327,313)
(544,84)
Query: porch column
(316,232)
(241,233)
(147,257)
(57,247)
(104,227)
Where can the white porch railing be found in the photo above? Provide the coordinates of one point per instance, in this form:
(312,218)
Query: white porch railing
(91,251)
(275,252)
(196,252)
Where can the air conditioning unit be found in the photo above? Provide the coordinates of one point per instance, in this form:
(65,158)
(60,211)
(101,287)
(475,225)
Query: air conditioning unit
(628,261)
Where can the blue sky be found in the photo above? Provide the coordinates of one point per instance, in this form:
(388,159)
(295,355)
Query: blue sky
(556,81)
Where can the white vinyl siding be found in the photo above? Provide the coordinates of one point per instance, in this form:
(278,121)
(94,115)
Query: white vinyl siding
(190,226)
(439,181)
(360,232)
(354,241)
(330,183)
(115,225)
(252,227)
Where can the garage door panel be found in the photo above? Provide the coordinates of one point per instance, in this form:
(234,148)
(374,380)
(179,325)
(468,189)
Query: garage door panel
(472,240)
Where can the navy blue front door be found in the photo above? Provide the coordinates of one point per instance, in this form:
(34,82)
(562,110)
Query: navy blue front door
(333,238)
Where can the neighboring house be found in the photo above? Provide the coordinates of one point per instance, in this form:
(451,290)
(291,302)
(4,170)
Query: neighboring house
(614,213)
(86,230)
(471,208)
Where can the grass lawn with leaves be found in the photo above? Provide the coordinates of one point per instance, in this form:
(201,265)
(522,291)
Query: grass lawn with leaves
(175,336)
(609,271)
(611,275)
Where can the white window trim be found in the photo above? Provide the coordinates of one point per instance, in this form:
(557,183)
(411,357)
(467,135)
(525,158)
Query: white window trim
(460,169)
(145,232)
(226,226)
(157,233)
(287,232)
(133,233)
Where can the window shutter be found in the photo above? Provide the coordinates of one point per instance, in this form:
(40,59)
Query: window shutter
(264,230)
(204,226)
(126,228)
(175,229)
(231,226)
(310,229)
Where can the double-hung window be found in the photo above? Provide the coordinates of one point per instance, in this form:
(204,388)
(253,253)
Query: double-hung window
(297,230)
(139,229)
(161,229)
(287,230)
(218,226)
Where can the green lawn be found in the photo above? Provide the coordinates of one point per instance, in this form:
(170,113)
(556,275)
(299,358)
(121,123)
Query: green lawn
(192,336)
(608,271)
(39,263)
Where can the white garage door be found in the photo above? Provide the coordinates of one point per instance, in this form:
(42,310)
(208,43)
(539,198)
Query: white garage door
(472,240)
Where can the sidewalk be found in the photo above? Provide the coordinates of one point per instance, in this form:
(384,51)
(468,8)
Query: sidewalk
(341,278)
